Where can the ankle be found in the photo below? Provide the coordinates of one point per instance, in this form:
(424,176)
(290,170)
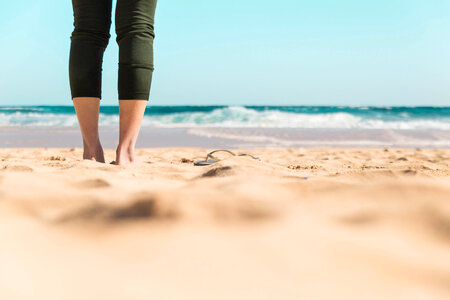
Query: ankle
(126,147)
(125,153)
(93,151)
(91,142)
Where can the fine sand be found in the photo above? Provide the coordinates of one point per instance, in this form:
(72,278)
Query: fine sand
(299,224)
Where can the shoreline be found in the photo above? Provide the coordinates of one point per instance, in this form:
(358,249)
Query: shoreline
(233,138)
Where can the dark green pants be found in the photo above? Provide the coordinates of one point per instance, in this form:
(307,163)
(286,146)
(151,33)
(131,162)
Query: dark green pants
(135,34)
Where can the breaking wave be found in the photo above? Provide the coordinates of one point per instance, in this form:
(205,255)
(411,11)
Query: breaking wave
(245,117)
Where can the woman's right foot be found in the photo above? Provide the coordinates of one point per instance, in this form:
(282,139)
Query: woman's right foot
(94,153)
(124,157)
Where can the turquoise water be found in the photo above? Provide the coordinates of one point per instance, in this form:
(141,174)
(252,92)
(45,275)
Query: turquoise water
(333,117)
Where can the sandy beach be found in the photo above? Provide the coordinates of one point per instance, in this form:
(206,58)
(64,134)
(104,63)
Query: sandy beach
(299,224)
(335,182)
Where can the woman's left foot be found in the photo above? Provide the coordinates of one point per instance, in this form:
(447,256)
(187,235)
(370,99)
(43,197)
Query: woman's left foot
(125,157)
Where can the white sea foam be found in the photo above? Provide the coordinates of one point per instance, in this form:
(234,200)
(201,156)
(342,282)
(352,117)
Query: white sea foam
(281,138)
(21,108)
(234,117)
(37,120)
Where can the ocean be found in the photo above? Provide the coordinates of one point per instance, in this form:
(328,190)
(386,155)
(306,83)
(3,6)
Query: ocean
(271,126)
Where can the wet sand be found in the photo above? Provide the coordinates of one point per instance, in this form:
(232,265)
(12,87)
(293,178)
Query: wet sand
(234,138)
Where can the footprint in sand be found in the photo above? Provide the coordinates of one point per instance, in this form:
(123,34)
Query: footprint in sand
(65,167)
(305,167)
(409,172)
(18,168)
(55,165)
(142,207)
(93,183)
(218,172)
(186,161)
(58,158)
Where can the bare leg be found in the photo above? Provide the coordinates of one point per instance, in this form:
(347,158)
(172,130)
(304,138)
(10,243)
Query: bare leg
(131,113)
(87,113)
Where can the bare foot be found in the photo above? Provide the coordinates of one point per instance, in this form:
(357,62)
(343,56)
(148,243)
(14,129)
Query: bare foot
(87,109)
(131,113)
(94,153)
(125,157)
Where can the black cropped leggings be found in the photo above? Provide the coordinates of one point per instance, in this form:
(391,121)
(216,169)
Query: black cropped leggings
(135,34)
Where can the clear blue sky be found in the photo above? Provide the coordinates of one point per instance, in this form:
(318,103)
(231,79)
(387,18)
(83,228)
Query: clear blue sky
(279,52)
